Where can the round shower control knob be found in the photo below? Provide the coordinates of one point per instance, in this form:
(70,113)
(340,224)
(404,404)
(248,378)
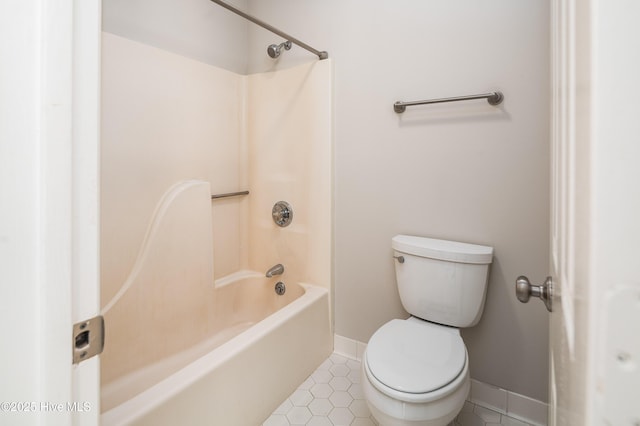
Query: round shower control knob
(282,213)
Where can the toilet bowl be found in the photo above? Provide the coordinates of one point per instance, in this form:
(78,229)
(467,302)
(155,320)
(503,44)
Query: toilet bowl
(409,383)
(415,372)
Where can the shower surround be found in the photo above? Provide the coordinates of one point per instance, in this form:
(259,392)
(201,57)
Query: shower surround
(167,119)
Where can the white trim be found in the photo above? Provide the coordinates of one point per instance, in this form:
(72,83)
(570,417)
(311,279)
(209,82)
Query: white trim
(39,167)
(509,403)
(347,347)
(54,263)
(86,30)
(21,275)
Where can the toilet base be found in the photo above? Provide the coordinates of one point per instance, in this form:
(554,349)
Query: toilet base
(393,412)
(386,420)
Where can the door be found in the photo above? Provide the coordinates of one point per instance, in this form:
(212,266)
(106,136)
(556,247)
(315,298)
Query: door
(49,240)
(570,201)
(595,323)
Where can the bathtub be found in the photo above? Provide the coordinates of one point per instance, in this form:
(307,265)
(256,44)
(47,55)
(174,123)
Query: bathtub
(240,374)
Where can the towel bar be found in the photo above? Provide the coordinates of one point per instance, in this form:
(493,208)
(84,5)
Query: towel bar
(494,98)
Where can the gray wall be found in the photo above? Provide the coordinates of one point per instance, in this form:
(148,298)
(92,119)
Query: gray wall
(467,172)
(198,29)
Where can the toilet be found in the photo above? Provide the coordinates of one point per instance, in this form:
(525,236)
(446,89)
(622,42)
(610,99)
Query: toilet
(415,372)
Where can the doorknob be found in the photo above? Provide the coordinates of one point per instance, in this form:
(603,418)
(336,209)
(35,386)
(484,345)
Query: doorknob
(524,290)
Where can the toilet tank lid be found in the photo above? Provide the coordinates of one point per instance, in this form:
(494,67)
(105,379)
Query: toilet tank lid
(452,251)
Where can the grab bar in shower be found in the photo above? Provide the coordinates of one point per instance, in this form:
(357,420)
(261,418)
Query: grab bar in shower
(494,98)
(229,194)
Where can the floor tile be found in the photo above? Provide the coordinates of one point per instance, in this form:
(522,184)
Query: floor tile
(360,421)
(301,398)
(320,407)
(277,420)
(321,390)
(508,421)
(340,370)
(340,383)
(355,390)
(469,418)
(284,407)
(340,399)
(489,416)
(319,421)
(307,384)
(341,416)
(338,359)
(299,415)
(322,376)
(332,396)
(359,408)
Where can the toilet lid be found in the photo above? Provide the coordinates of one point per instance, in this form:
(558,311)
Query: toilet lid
(415,357)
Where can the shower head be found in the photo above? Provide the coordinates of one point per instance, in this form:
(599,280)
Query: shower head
(274,50)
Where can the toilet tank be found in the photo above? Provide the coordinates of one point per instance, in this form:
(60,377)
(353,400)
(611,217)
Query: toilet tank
(442,281)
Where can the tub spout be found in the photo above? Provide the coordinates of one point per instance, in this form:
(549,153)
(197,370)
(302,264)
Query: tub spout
(275,270)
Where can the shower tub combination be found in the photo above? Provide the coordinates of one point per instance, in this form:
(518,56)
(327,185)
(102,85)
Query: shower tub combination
(182,349)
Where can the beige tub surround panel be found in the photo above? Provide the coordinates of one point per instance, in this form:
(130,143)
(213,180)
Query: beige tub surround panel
(167,302)
(289,131)
(165,118)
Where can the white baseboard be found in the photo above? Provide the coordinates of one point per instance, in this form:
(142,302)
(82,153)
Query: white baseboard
(348,347)
(509,403)
(503,401)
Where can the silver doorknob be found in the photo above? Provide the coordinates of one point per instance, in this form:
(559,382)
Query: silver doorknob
(524,290)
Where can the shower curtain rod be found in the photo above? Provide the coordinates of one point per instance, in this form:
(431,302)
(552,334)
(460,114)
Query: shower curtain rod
(321,55)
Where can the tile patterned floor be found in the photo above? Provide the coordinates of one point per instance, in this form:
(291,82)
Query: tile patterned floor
(332,396)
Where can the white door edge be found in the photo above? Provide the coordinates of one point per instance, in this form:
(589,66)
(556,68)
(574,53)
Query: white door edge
(86,195)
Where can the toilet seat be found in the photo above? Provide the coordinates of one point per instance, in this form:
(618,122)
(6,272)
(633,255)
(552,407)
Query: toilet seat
(413,359)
